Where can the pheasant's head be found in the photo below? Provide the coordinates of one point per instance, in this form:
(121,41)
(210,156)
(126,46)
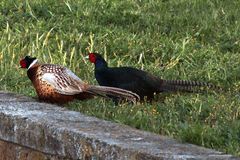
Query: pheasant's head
(28,62)
(97,59)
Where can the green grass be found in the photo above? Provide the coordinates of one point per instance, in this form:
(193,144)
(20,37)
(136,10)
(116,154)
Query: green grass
(174,39)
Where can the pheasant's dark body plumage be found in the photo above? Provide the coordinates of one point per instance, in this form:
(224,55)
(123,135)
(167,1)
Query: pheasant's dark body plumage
(138,81)
(130,79)
(57,84)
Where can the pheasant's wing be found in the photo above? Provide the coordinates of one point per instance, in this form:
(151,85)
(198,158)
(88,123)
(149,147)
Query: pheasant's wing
(62,79)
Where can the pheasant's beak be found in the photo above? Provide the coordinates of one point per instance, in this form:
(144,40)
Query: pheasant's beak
(86,57)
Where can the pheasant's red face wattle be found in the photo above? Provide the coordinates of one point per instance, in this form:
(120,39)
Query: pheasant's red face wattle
(92,57)
(23,63)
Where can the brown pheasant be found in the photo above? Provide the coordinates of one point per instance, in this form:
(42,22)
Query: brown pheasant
(57,84)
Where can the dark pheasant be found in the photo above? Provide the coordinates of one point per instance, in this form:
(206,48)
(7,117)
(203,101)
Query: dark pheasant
(57,84)
(139,81)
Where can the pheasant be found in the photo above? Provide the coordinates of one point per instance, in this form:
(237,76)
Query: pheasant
(138,81)
(57,84)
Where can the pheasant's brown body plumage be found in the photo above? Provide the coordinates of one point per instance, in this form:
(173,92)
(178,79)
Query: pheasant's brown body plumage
(48,93)
(57,84)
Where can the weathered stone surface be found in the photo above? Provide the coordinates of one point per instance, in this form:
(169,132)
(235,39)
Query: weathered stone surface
(10,151)
(12,97)
(54,130)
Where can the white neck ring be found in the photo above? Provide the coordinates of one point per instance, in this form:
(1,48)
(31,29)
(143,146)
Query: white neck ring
(34,62)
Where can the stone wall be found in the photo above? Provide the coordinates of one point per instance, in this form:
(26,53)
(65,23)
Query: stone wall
(11,151)
(33,130)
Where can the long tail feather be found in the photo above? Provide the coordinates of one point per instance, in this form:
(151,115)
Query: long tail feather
(104,91)
(187,86)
